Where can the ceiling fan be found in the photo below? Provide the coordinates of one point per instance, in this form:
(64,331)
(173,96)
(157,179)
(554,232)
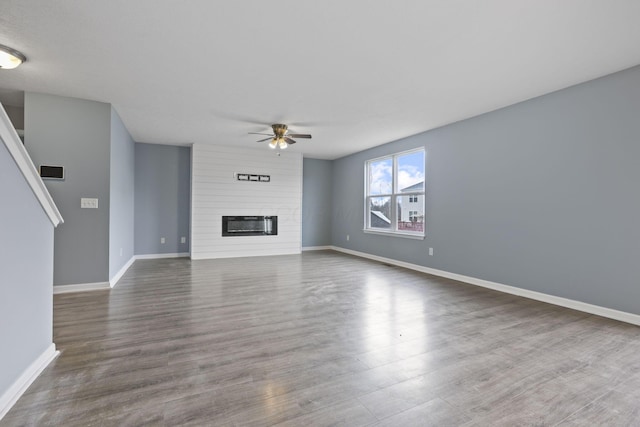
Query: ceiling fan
(280,137)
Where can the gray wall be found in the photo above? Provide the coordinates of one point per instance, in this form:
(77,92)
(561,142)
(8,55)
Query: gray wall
(542,195)
(316,202)
(26,266)
(16,115)
(121,216)
(74,133)
(162,202)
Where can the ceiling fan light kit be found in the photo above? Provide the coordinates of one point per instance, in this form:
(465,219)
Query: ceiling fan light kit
(278,142)
(280,138)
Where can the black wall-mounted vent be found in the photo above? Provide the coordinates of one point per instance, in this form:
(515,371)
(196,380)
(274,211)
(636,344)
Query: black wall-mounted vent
(52,172)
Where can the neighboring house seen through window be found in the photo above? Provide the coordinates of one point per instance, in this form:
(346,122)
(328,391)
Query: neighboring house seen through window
(394,194)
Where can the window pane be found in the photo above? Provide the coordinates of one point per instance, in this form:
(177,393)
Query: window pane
(380,212)
(396,193)
(380,177)
(411,172)
(410,214)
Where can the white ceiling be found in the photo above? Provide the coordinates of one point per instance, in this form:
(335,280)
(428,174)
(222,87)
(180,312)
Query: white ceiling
(355,74)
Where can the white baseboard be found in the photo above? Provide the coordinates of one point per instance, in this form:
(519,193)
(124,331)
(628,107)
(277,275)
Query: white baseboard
(316,248)
(158,256)
(17,389)
(622,316)
(81,287)
(114,280)
(101,286)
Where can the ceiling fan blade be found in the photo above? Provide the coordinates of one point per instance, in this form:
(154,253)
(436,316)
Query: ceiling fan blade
(299,135)
(289,140)
(258,133)
(266,139)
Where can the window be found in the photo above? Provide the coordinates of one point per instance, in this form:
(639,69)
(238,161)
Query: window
(392,184)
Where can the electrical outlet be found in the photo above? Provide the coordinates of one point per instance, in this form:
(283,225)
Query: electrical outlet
(347,237)
(183,239)
(120,251)
(430,251)
(162,240)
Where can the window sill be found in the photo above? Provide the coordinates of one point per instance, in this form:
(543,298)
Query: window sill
(395,234)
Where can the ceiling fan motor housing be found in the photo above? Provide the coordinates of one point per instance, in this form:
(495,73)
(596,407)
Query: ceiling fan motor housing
(279,129)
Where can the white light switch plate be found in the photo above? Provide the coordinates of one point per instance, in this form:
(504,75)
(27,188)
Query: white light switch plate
(86,203)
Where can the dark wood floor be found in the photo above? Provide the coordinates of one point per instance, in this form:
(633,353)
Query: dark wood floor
(326,339)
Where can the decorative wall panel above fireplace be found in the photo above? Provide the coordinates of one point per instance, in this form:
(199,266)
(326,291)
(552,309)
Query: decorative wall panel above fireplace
(253,177)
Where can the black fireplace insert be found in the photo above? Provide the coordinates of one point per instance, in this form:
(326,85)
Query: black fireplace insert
(249,225)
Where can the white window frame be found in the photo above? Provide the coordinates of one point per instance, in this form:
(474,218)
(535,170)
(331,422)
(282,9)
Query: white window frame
(393,231)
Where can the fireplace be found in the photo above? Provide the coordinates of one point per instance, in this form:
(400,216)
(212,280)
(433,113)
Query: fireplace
(249,226)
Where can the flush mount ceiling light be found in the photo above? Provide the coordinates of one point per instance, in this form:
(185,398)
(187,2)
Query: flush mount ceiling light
(10,58)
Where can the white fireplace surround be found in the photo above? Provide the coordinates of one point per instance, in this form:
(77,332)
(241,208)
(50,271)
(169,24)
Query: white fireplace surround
(216,192)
